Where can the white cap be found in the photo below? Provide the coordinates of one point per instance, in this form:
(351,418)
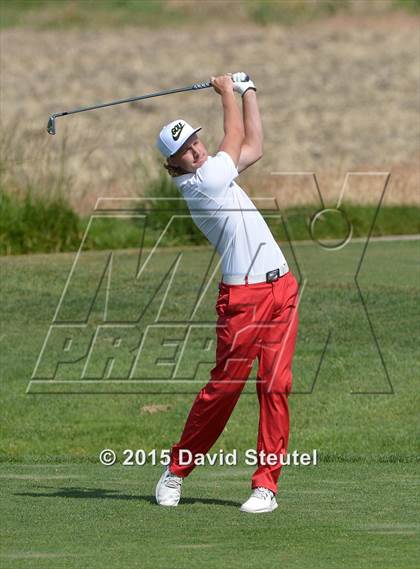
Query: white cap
(173,135)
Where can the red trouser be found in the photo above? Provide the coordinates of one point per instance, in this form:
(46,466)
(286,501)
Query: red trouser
(255,320)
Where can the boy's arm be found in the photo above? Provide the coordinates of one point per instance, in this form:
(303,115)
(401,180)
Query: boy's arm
(232,119)
(252,146)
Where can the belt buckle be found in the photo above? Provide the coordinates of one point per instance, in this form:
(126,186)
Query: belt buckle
(272,276)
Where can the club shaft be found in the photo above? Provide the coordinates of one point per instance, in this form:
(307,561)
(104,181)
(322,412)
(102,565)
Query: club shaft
(194,87)
(131,99)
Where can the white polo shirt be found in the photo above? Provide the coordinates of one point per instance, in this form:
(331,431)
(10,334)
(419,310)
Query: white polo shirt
(229,219)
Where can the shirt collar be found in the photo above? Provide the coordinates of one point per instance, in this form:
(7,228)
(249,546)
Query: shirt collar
(180,180)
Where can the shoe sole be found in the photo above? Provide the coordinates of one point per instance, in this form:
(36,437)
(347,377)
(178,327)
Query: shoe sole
(265,511)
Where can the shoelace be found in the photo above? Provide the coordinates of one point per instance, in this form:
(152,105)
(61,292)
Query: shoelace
(263,493)
(173,481)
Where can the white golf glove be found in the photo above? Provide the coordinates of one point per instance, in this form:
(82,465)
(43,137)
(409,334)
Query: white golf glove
(240,85)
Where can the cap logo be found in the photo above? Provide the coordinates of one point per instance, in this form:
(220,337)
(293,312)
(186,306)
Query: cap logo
(176,130)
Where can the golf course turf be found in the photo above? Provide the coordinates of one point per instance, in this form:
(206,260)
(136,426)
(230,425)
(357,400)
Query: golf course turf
(351,515)
(355,400)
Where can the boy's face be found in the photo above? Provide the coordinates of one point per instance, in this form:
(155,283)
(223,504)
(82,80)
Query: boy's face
(190,156)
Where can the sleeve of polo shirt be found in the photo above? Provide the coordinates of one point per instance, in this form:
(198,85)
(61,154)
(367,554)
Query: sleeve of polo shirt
(217,174)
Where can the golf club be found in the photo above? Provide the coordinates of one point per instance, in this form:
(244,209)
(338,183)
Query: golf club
(195,87)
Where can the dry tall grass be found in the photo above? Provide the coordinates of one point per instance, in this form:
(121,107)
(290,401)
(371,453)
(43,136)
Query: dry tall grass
(337,95)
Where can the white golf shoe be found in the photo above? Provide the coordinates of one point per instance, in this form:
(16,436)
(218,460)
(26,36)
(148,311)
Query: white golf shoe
(262,500)
(168,489)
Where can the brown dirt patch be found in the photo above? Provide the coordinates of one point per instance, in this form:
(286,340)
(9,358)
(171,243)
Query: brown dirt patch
(152,409)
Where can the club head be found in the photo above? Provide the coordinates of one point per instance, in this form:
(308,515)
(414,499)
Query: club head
(51,125)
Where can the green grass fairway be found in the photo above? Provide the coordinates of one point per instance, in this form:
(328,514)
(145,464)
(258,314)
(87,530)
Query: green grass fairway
(355,509)
(329,516)
(325,411)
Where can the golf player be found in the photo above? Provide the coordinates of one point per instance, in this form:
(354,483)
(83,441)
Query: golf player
(257,300)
